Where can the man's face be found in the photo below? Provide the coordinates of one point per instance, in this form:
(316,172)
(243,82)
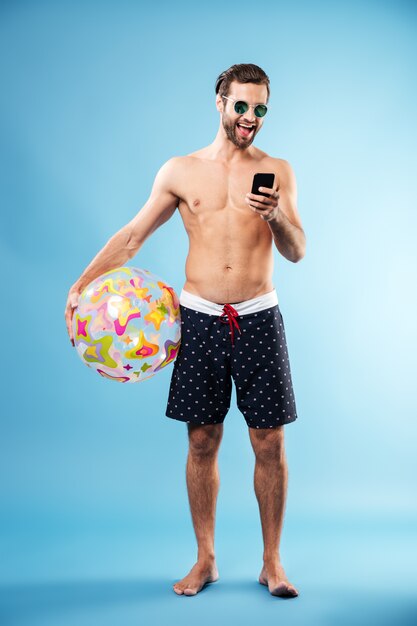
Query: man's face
(252,94)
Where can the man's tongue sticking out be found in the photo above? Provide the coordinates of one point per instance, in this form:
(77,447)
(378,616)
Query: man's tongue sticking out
(244,131)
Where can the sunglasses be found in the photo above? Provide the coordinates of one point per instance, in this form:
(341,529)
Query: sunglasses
(241,107)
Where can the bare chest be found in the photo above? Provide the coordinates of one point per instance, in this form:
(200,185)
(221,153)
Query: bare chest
(213,194)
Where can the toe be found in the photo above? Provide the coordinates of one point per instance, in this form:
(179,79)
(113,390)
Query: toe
(283,589)
(290,590)
(278,589)
(190,592)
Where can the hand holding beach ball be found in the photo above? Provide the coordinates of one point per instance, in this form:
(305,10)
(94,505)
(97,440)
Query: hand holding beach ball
(127,324)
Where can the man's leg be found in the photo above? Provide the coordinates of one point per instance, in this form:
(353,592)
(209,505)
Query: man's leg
(270,481)
(203,485)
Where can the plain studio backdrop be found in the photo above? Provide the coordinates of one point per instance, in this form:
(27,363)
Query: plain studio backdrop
(95,523)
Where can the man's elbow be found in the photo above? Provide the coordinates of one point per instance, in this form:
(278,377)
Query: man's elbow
(301,251)
(299,256)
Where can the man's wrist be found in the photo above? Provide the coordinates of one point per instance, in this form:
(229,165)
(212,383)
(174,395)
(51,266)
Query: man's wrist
(79,285)
(276,216)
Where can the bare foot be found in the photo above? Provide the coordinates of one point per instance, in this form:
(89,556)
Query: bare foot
(274,577)
(200,574)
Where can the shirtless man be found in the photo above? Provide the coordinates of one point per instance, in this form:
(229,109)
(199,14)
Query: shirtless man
(232,235)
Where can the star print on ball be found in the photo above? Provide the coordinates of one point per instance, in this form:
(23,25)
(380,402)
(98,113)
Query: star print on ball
(127,325)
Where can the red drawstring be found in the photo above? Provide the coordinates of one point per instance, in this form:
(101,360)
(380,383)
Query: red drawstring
(230,314)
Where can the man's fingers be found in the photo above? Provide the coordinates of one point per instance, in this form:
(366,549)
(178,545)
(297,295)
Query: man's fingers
(264,204)
(72,304)
(68,321)
(69,314)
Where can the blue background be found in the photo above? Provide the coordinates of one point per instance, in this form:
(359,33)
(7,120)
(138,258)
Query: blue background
(95,524)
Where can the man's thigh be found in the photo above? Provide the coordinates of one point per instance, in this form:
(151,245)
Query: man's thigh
(261,370)
(201,384)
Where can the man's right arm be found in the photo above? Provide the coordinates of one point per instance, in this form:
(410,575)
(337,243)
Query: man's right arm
(124,244)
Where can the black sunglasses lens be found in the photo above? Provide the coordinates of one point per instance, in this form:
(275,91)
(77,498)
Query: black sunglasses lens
(241,107)
(260,110)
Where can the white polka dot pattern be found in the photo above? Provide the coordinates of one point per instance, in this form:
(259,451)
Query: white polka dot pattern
(207,362)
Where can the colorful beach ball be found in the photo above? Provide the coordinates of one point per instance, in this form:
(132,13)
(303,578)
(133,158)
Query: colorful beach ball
(127,325)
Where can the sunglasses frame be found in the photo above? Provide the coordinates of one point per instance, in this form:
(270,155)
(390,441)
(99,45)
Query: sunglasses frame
(249,105)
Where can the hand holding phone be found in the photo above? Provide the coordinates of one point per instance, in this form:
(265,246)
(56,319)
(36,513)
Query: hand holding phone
(268,209)
(262,180)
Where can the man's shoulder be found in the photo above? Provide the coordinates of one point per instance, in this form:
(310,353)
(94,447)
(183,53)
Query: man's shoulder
(280,162)
(273,160)
(174,161)
(176,164)
(174,173)
(282,168)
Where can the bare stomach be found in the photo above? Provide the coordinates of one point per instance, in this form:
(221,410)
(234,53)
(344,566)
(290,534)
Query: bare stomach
(229,278)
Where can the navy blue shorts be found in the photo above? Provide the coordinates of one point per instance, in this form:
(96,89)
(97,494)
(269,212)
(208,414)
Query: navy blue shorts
(201,382)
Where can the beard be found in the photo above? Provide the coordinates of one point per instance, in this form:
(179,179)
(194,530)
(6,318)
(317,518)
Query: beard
(233,134)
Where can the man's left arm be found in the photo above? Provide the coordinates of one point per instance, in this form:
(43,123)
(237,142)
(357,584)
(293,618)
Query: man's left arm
(281,214)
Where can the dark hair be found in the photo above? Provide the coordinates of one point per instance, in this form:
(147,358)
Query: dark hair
(242,73)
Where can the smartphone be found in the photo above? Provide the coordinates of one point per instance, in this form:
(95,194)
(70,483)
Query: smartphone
(262,180)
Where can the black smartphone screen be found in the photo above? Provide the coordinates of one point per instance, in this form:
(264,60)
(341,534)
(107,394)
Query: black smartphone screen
(262,180)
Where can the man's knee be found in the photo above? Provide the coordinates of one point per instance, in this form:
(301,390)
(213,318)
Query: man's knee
(268,443)
(204,440)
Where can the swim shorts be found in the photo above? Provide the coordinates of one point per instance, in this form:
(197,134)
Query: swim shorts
(244,341)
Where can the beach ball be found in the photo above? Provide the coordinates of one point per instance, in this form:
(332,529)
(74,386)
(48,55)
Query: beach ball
(127,325)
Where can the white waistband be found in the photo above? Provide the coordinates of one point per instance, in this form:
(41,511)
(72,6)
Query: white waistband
(253,305)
